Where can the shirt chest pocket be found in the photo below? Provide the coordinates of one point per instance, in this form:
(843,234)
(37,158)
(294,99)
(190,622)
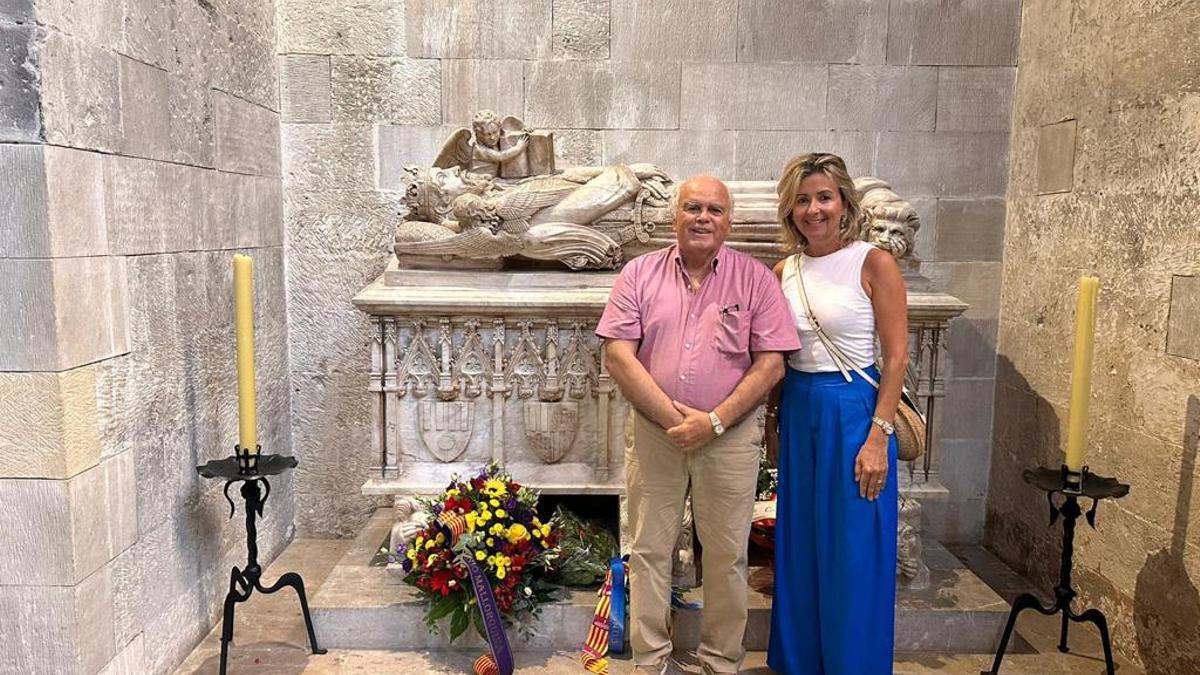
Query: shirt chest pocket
(731,331)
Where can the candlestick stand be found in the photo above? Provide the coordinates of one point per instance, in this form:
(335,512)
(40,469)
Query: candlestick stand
(1071,486)
(251,469)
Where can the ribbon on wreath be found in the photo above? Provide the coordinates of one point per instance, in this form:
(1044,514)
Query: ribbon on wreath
(607,632)
(500,660)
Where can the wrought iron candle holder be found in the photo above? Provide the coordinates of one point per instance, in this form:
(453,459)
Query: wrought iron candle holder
(1071,485)
(251,469)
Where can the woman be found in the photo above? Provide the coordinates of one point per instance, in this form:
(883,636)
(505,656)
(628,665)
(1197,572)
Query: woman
(831,433)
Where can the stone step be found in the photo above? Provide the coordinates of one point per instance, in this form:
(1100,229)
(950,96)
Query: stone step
(365,607)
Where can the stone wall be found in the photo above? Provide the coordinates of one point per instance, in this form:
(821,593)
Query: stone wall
(1104,180)
(916,91)
(138,149)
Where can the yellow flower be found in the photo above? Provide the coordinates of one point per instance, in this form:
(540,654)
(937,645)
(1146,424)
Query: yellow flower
(441,537)
(494,502)
(479,555)
(491,542)
(452,492)
(517,533)
(495,487)
(411,554)
(501,513)
(545,530)
(500,573)
(429,544)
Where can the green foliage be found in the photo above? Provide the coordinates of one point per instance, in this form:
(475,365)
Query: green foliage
(584,551)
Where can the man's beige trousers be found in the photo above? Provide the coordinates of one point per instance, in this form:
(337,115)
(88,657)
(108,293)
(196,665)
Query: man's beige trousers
(723,476)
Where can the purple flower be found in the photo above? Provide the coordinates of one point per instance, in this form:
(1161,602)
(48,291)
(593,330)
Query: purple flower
(437,509)
(407,565)
(511,505)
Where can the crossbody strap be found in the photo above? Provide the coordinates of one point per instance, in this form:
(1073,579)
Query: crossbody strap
(844,364)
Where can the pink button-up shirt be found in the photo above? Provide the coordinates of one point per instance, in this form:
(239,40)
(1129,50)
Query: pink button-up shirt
(697,345)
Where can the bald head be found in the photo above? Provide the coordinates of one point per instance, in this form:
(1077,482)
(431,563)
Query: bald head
(701,215)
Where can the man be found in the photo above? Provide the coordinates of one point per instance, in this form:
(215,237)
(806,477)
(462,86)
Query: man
(694,336)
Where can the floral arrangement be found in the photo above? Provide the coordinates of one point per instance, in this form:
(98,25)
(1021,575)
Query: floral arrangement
(513,548)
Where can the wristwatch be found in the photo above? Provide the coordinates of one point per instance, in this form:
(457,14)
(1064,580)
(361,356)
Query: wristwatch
(887,427)
(718,428)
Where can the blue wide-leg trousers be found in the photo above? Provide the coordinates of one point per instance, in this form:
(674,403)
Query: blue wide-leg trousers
(833,610)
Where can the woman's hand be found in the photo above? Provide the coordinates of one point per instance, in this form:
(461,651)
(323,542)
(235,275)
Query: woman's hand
(871,465)
(771,440)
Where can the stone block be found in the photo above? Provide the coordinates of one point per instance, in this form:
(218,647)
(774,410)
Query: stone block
(401,146)
(328,333)
(39,622)
(953,33)
(469,86)
(387,90)
(256,16)
(99,23)
(246,65)
(340,221)
(38,545)
(851,31)
(258,211)
(25,231)
(1056,157)
(970,229)
(247,136)
(332,429)
(944,164)
(20,120)
(51,200)
(975,99)
(325,156)
(472,29)
(926,240)
(151,206)
(581,29)
(886,98)
(968,411)
(674,30)
(63,313)
(577,147)
(1183,338)
(145,115)
(148,28)
(80,94)
(51,429)
(975,283)
(964,469)
(17,11)
(374,27)
(75,202)
(753,96)
(199,53)
(761,155)
(606,95)
(971,344)
(304,92)
(680,153)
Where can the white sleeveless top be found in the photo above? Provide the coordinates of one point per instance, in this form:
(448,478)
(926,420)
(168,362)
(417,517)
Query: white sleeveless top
(834,287)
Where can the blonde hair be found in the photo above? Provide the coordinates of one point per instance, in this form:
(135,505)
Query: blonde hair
(801,167)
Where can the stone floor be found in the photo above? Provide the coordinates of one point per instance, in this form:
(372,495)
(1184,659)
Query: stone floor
(270,638)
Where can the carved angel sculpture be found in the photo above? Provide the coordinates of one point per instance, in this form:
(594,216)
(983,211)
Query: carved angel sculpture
(497,147)
(459,216)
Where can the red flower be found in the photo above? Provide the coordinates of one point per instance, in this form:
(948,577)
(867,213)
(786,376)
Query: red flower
(443,582)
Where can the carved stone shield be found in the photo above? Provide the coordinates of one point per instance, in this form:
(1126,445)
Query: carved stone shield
(446,427)
(550,428)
